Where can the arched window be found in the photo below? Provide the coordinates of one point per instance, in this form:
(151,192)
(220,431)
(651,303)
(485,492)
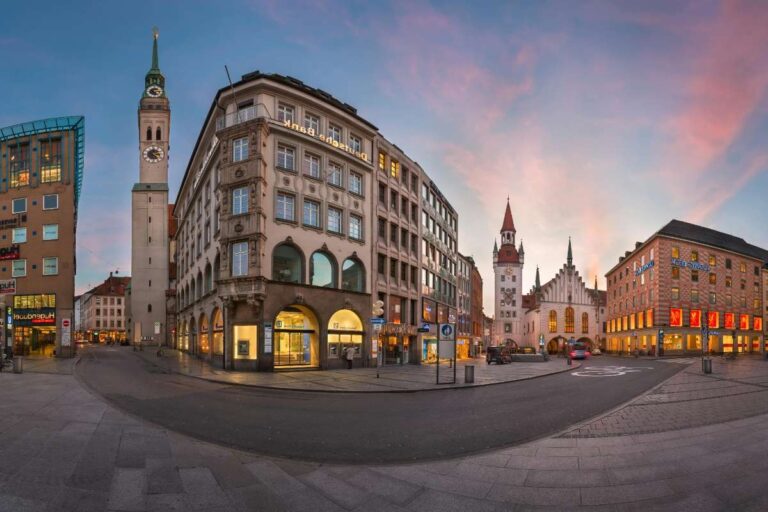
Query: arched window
(192,295)
(216,267)
(218,332)
(287,264)
(149,308)
(569,320)
(553,321)
(585,323)
(322,270)
(158,134)
(345,329)
(353,275)
(199,285)
(203,338)
(149,133)
(208,278)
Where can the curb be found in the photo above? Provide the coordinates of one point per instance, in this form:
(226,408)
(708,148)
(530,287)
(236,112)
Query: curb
(303,390)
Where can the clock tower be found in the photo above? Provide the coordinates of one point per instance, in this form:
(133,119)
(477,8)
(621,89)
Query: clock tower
(149,206)
(508,281)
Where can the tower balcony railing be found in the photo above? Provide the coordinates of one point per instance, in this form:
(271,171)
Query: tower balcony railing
(241,116)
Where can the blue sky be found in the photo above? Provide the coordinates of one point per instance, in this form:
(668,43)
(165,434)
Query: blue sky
(601,121)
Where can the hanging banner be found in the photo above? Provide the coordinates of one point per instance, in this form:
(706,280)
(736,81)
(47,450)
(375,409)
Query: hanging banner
(713,320)
(730,321)
(695,318)
(744,322)
(675,317)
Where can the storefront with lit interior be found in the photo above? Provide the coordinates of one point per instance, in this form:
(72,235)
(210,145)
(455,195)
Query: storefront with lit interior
(434,313)
(34,325)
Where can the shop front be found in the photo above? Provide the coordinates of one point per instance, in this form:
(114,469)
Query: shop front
(296,339)
(397,341)
(463,348)
(34,325)
(345,330)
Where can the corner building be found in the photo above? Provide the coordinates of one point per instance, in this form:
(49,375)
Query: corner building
(41,164)
(690,288)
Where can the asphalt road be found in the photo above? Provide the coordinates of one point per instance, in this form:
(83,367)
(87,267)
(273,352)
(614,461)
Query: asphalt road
(363,428)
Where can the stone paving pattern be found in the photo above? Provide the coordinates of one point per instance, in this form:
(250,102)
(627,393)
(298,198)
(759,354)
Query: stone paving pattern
(392,378)
(64,449)
(735,389)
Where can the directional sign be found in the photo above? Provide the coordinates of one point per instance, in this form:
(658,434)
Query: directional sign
(378,321)
(423,328)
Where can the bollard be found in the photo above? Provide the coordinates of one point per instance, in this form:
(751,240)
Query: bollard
(706,365)
(469,374)
(18,364)
(570,361)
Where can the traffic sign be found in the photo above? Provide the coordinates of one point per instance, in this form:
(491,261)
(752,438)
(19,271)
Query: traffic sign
(447,332)
(378,321)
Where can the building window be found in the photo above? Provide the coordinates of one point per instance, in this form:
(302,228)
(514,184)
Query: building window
(19,163)
(335,175)
(675,293)
(355,143)
(240,149)
(728,281)
(393,234)
(19,235)
(285,113)
(50,160)
(675,252)
(355,227)
(553,321)
(712,278)
(382,161)
(675,272)
(694,295)
(51,202)
(353,275)
(694,255)
(322,270)
(728,263)
(312,124)
(50,231)
(382,229)
(393,268)
(312,165)
(285,207)
(728,299)
(381,263)
(585,323)
(334,132)
(569,320)
(311,213)
(695,276)
(240,201)
(239,259)
(285,157)
(19,268)
(287,264)
(356,183)
(50,266)
(19,205)
(712,298)
(743,301)
(334,220)
(383,195)
(712,260)
(743,284)
(394,169)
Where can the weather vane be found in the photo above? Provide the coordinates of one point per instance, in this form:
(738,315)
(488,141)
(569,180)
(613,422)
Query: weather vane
(155,32)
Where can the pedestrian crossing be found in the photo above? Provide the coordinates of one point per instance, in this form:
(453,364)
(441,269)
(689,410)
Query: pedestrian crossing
(680,360)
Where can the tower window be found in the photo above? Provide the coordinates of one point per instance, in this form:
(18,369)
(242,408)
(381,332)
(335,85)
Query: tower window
(158,134)
(150,220)
(149,308)
(149,133)
(150,282)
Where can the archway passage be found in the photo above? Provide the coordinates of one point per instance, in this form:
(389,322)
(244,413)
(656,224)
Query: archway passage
(296,338)
(588,342)
(555,344)
(203,336)
(218,332)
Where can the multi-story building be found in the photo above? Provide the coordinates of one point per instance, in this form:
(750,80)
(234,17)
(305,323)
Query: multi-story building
(476,316)
(170,293)
(683,282)
(464,306)
(396,246)
(41,164)
(102,311)
(149,206)
(439,249)
(274,237)
(508,261)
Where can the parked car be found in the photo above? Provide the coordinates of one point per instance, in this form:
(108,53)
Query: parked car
(498,355)
(579,351)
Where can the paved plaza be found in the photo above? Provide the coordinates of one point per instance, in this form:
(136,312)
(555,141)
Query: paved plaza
(64,449)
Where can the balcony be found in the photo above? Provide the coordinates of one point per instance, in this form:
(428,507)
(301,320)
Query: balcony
(241,116)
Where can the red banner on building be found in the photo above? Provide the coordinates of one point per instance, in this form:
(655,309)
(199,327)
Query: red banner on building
(757,323)
(675,317)
(730,321)
(744,322)
(695,318)
(713,319)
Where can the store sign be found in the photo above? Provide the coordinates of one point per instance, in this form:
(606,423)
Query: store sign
(9,253)
(428,311)
(675,317)
(744,322)
(713,319)
(328,140)
(757,323)
(644,268)
(12,222)
(30,317)
(7,286)
(693,265)
(695,318)
(730,321)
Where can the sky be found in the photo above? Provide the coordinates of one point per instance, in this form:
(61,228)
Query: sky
(599,120)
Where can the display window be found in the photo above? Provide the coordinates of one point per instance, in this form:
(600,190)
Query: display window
(345,329)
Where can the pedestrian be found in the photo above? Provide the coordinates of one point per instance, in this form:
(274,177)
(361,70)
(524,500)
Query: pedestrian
(349,354)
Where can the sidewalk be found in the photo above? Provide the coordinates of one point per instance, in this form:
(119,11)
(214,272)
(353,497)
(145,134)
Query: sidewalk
(403,378)
(64,449)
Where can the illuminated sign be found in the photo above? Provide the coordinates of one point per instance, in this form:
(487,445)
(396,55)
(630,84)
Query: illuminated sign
(428,308)
(328,140)
(12,222)
(744,322)
(9,253)
(757,323)
(29,317)
(693,265)
(730,320)
(713,319)
(644,268)
(675,317)
(7,286)
(695,318)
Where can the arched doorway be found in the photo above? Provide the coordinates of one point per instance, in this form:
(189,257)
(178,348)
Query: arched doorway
(217,322)
(205,349)
(345,329)
(182,335)
(296,338)
(555,344)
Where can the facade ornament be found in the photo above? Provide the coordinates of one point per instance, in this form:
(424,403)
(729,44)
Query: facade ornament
(299,299)
(347,304)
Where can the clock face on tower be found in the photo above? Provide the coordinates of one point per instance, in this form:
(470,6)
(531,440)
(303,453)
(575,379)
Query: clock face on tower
(153,154)
(509,271)
(154,91)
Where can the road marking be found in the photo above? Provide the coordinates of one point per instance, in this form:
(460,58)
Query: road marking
(608,371)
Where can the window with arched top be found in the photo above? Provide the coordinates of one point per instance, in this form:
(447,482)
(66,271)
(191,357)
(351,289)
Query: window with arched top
(553,321)
(585,323)
(353,275)
(208,278)
(216,267)
(200,291)
(158,134)
(287,264)
(149,133)
(322,270)
(569,319)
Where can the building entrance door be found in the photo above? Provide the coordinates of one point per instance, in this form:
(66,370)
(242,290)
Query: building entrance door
(292,348)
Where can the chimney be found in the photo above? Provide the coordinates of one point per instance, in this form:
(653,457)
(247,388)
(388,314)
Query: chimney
(110,275)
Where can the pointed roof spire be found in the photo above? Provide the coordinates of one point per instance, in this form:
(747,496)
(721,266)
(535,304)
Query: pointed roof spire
(570,253)
(538,280)
(154,76)
(521,250)
(508,224)
(495,246)
(595,282)
(155,60)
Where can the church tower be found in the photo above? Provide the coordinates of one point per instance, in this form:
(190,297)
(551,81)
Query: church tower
(149,206)
(508,284)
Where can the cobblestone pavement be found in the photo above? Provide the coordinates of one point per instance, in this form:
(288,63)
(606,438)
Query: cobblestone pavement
(63,449)
(395,378)
(735,389)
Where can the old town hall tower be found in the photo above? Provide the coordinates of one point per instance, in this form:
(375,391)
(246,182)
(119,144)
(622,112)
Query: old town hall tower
(149,206)
(508,285)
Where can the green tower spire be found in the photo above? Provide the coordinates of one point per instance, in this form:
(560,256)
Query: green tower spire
(570,253)
(154,78)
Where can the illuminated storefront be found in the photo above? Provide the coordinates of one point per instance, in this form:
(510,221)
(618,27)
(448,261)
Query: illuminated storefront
(345,329)
(295,338)
(34,325)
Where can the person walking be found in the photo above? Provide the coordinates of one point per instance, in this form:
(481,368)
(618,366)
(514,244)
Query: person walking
(349,355)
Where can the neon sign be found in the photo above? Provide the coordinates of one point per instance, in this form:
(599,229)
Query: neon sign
(644,268)
(328,140)
(693,265)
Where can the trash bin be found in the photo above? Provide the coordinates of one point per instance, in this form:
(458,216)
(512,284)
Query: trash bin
(706,365)
(469,374)
(18,364)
